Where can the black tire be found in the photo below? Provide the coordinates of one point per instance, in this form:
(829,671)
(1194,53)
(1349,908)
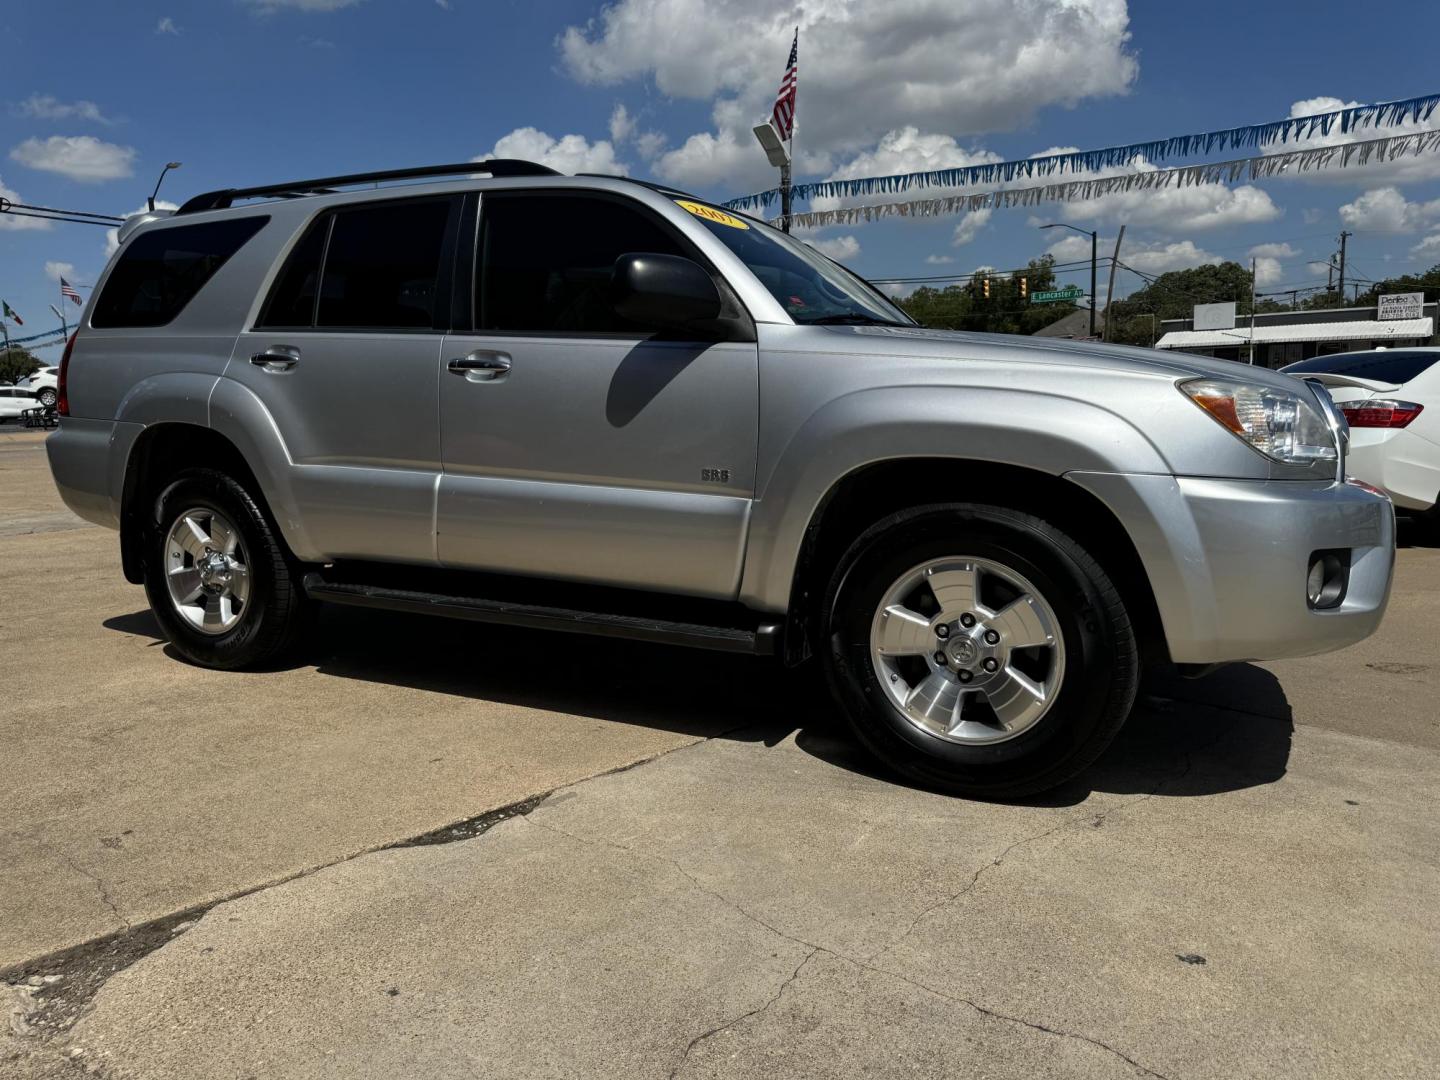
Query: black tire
(277,613)
(48,397)
(1102,665)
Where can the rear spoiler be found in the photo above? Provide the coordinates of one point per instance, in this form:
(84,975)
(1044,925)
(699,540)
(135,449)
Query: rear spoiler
(1329,379)
(134,221)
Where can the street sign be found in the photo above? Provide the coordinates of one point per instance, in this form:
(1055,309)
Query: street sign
(1405,305)
(1057,296)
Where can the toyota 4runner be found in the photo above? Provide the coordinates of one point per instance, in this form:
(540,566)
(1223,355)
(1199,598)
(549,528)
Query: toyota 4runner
(592,404)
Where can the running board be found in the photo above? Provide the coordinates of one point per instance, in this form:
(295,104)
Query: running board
(762,640)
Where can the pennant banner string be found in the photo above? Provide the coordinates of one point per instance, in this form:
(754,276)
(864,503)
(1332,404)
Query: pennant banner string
(1353,118)
(1346,155)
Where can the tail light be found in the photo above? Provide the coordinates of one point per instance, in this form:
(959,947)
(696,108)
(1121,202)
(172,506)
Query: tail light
(62,398)
(1380,413)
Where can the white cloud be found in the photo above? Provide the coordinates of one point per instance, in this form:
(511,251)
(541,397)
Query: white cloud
(15,223)
(970,225)
(78,157)
(939,260)
(622,124)
(268,6)
(1312,215)
(112,236)
(704,158)
(568,154)
(1317,268)
(838,248)
(1429,247)
(905,150)
(1274,251)
(1152,258)
(1386,210)
(650,144)
(166,25)
(1268,270)
(56,270)
(49,107)
(865,68)
(1174,209)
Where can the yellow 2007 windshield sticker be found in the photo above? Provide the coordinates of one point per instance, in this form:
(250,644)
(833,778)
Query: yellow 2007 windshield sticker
(709,213)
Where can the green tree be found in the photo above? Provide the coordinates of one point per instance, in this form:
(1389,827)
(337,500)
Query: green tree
(1173,295)
(965,307)
(17,363)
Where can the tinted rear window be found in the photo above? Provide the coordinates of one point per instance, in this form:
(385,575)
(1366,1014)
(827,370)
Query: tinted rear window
(1390,366)
(160,271)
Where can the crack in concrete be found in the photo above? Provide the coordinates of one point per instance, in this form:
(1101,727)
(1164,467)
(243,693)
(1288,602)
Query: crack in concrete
(866,964)
(727,1025)
(100,888)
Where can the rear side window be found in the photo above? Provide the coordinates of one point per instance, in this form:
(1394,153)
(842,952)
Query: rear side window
(160,271)
(1390,366)
(545,261)
(379,267)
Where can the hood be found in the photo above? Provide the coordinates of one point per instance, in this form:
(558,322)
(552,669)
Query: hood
(960,344)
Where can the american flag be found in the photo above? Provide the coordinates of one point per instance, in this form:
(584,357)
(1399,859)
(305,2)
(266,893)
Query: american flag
(67,291)
(784,114)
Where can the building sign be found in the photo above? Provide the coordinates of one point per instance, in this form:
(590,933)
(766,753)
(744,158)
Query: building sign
(1405,305)
(1057,296)
(1215,316)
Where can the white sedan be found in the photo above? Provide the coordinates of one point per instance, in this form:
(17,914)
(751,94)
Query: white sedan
(14,401)
(1391,398)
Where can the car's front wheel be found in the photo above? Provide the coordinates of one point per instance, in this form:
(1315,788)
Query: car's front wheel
(219,580)
(48,397)
(978,650)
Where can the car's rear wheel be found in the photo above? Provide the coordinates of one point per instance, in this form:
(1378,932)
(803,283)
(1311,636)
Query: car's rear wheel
(979,650)
(220,582)
(48,397)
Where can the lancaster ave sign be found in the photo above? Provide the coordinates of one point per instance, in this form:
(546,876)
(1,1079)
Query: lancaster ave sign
(1057,296)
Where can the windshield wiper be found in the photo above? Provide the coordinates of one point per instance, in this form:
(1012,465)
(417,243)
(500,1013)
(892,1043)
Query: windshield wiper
(850,319)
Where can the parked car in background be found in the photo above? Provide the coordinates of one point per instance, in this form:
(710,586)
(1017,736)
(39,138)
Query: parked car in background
(1391,399)
(14,401)
(44,384)
(603,406)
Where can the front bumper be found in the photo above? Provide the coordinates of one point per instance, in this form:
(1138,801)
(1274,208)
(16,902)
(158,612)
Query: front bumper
(1227,560)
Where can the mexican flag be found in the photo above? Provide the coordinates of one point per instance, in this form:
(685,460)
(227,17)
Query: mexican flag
(10,314)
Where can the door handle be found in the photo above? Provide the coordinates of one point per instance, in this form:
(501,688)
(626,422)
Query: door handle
(277,358)
(482,365)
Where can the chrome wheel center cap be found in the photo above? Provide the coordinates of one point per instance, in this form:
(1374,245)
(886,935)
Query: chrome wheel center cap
(214,569)
(964,652)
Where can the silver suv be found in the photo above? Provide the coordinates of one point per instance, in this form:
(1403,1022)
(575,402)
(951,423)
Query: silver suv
(591,404)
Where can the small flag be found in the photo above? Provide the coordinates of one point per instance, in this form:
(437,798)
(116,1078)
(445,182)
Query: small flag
(10,314)
(68,291)
(784,115)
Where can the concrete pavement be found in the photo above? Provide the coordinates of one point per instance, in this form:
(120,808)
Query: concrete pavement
(1243,886)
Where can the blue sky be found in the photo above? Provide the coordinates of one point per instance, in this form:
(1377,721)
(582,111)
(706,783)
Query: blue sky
(97,96)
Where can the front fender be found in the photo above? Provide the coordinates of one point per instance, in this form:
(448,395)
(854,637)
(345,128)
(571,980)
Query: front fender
(1026,428)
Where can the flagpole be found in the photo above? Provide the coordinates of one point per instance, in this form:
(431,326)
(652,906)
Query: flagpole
(787,171)
(64,325)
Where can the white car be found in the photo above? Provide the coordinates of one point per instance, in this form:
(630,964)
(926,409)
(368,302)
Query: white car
(1391,398)
(13,401)
(44,384)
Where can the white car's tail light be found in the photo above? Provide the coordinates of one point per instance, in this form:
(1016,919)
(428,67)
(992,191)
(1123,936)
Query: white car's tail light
(1281,424)
(1380,413)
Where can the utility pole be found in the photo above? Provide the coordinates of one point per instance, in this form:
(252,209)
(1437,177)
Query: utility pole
(1252,310)
(1343,237)
(1110,289)
(1094,250)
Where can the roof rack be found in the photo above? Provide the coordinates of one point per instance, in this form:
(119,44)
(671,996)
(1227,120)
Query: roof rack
(219,200)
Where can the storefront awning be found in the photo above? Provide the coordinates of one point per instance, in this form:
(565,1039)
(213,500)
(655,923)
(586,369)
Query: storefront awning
(1364,330)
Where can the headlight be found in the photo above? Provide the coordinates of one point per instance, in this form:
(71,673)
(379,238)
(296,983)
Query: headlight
(1281,424)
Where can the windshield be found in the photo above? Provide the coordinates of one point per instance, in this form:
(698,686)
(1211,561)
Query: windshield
(1382,365)
(810,287)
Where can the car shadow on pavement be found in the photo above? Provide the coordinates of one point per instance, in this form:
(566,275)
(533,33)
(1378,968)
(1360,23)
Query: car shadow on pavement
(1410,533)
(1227,731)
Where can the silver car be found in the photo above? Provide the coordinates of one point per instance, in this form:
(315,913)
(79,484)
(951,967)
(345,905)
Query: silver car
(591,404)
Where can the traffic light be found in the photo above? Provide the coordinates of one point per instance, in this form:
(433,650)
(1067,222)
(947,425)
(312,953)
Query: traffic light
(985,288)
(1024,287)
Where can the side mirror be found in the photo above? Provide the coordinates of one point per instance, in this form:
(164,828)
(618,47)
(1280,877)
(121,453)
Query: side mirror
(663,290)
